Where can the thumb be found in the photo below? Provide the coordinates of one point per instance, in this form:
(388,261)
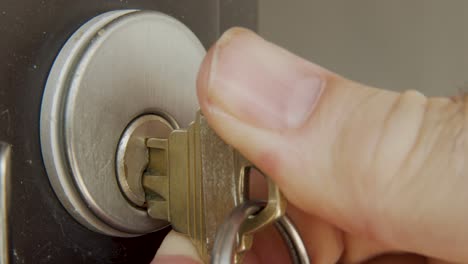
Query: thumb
(367,160)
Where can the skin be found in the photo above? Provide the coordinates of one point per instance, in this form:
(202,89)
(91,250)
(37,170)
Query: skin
(371,176)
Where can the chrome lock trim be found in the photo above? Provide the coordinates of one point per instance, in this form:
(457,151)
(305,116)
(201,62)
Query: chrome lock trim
(116,67)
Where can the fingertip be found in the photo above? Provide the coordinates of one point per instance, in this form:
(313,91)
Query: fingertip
(177,248)
(203,78)
(209,64)
(173,260)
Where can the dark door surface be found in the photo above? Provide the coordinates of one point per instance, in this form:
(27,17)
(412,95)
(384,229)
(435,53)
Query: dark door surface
(31,35)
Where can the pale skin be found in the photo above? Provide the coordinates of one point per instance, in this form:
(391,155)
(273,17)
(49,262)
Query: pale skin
(367,172)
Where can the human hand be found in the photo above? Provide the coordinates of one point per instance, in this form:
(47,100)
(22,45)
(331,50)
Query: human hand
(366,171)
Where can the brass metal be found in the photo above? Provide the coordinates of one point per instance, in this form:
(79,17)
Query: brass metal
(156,179)
(274,210)
(194,180)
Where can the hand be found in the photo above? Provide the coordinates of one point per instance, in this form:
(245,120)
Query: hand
(366,171)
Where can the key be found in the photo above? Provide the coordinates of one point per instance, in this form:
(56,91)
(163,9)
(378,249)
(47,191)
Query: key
(194,180)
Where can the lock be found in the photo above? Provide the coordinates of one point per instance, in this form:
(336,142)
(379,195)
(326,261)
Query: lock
(125,148)
(123,76)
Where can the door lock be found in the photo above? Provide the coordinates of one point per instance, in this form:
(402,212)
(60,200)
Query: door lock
(121,66)
(118,141)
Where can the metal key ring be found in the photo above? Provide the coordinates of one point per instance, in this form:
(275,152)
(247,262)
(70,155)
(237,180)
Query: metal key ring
(226,237)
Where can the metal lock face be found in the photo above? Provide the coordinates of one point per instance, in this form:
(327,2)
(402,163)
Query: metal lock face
(118,142)
(124,76)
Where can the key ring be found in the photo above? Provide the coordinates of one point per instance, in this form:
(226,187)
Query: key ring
(226,240)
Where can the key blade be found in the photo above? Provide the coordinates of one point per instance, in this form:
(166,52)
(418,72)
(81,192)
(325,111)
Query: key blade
(221,167)
(179,187)
(205,183)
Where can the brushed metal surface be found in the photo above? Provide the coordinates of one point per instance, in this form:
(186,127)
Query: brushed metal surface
(118,66)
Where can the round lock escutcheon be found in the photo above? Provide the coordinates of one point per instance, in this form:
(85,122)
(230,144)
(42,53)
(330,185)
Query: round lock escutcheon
(118,69)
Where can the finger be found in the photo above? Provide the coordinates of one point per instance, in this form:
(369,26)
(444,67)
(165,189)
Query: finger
(327,244)
(398,258)
(268,247)
(379,164)
(358,249)
(176,249)
(324,242)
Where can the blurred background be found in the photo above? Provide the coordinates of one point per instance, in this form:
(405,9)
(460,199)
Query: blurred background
(398,44)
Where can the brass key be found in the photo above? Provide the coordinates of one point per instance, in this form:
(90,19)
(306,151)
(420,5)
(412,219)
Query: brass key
(194,180)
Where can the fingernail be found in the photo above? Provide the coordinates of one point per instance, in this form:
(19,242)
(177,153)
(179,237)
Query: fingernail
(176,249)
(260,83)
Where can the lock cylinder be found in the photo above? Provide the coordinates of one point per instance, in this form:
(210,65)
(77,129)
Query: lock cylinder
(122,77)
(133,155)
